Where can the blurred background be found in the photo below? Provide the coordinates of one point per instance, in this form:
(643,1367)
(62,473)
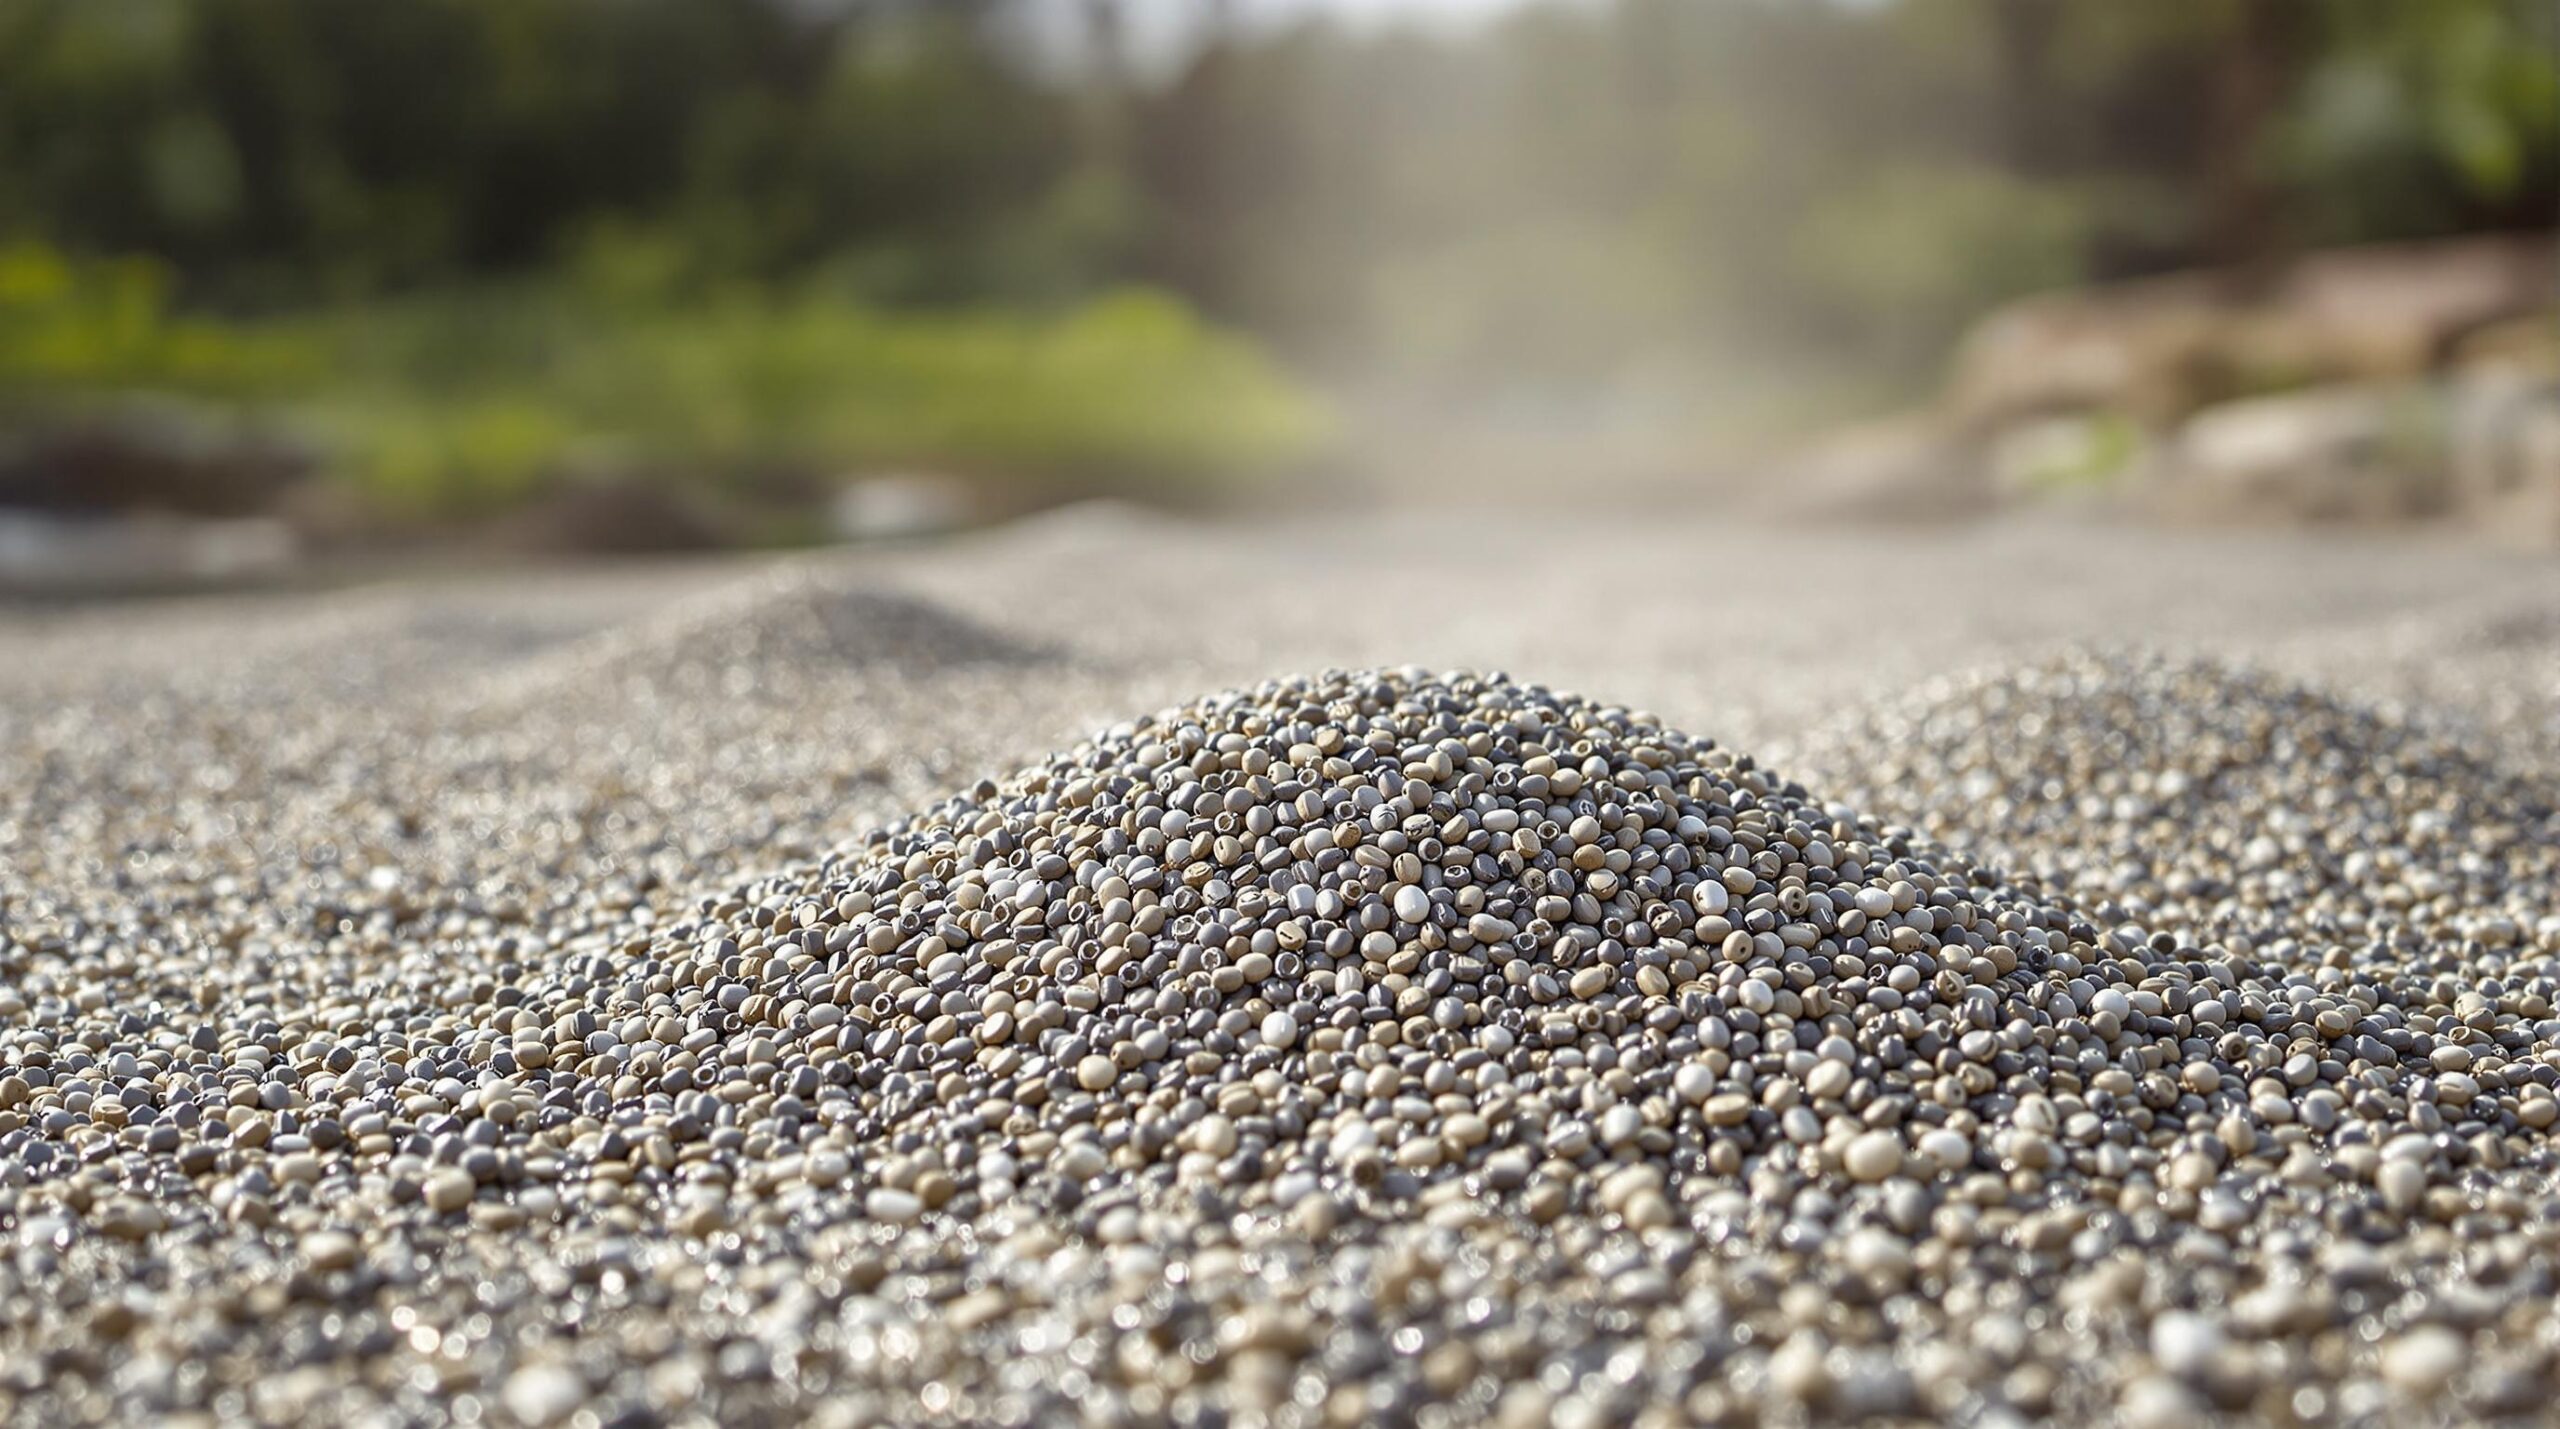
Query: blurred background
(292,282)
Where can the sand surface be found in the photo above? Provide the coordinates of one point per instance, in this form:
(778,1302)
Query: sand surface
(298,805)
(1744,633)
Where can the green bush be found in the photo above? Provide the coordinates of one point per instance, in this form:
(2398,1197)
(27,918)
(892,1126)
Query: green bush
(69,327)
(462,403)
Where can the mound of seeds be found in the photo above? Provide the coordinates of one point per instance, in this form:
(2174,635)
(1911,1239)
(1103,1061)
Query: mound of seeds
(2194,796)
(750,643)
(1377,1047)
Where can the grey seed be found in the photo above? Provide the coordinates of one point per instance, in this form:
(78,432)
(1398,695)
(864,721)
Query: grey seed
(1082,1161)
(2421,1361)
(1412,904)
(2157,1403)
(895,1207)
(2185,1344)
(447,1190)
(1828,1080)
(2401,1183)
(543,1394)
(1872,1156)
(1354,1042)
(1693,1082)
(330,1250)
(1215,1135)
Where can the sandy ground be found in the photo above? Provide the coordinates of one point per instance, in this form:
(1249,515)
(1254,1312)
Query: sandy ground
(307,806)
(714,718)
(1745,633)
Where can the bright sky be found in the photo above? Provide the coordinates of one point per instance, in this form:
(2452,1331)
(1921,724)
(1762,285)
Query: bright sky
(1383,9)
(1161,29)
(1378,11)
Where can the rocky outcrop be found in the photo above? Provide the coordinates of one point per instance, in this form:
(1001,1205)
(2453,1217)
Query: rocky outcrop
(2368,385)
(2162,348)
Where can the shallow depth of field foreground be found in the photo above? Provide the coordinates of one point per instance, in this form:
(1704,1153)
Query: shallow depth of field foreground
(1589,971)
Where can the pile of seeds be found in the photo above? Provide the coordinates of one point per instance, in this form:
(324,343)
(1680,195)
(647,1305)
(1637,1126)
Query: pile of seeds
(2198,797)
(1383,1047)
(761,643)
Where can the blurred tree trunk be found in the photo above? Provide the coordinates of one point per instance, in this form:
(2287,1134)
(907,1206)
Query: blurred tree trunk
(2030,120)
(2244,211)
(1197,169)
(1106,92)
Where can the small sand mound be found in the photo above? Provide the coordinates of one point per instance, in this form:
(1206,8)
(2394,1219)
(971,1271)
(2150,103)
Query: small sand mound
(2196,797)
(762,640)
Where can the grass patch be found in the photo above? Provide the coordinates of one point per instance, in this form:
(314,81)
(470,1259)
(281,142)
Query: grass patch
(461,404)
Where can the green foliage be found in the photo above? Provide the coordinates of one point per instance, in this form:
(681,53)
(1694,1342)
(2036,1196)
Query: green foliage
(415,459)
(281,149)
(463,403)
(69,326)
(2067,455)
(504,237)
(2426,110)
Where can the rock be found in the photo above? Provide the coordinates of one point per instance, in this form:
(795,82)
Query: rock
(900,505)
(2158,348)
(2504,455)
(2360,452)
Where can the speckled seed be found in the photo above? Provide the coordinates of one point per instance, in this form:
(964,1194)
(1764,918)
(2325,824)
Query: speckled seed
(330,1250)
(543,1394)
(1279,1029)
(1412,904)
(2422,1360)
(1872,1156)
(895,1207)
(2402,1183)
(447,1190)
(1082,1161)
